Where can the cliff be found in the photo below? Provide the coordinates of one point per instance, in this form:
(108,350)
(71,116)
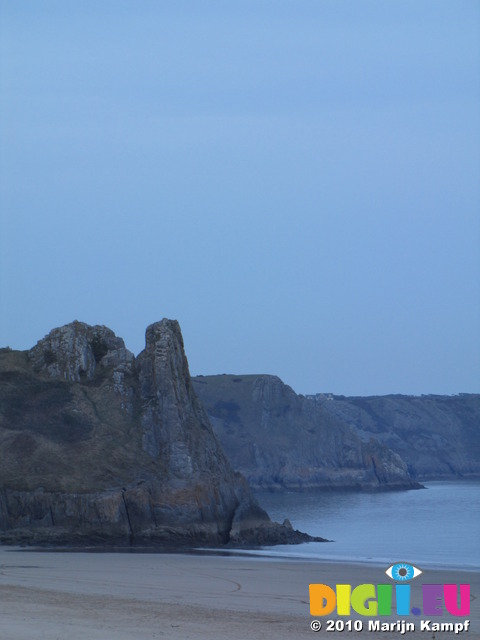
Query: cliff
(97,446)
(280,440)
(437,436)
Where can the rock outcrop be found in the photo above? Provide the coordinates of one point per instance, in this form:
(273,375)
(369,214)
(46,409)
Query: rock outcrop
(100,447)
(437,436)
(280,440)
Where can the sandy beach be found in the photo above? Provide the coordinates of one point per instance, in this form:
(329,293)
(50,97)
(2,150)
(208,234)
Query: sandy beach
(122,596)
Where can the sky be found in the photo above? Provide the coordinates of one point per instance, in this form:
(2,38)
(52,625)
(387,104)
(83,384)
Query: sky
(295,181)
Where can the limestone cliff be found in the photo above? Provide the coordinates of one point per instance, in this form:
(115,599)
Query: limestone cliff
(437,436)
(97,446)
(279,439)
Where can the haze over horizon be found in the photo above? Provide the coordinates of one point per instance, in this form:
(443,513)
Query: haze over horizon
(295,182)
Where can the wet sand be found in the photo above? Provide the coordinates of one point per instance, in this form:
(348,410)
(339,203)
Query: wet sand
(121,596)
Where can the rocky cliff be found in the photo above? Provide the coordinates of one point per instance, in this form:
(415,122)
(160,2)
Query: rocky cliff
(97,446)
(280,440)
(437,436)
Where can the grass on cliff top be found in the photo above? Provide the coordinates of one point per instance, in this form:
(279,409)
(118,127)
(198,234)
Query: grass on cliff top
(64,436)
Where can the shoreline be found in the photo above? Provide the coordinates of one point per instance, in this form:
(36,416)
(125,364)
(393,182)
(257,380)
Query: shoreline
(121,596)
(241,552)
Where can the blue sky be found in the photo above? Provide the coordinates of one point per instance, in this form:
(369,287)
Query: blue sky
(295,181)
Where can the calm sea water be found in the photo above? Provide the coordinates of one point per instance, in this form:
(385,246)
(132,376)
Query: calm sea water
(439,525)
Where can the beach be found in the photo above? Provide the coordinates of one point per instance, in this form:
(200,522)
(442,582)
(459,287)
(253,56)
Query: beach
(125,596)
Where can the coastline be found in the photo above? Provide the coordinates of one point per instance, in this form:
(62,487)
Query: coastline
(121,596)
(279,553)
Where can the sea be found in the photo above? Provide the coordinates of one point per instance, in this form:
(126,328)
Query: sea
(438,526)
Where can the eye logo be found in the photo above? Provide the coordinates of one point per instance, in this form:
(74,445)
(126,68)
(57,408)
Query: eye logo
(403,572)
